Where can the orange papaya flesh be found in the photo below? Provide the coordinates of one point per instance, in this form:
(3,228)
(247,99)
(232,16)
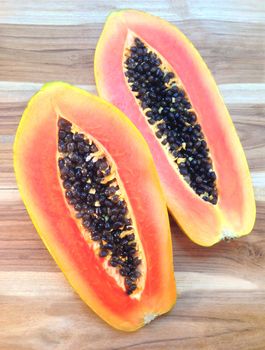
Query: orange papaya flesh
(61,120)
(152,72)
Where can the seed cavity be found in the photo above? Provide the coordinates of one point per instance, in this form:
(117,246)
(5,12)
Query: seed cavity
(171,116)
(92,190)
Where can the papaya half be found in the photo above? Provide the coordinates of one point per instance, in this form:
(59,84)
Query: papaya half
(152,72)
(89,183)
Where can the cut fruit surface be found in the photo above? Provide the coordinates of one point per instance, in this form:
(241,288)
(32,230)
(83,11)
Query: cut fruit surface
(149,69)
(89,183)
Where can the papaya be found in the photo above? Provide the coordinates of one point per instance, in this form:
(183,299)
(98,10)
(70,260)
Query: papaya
(150,70)
(89,183)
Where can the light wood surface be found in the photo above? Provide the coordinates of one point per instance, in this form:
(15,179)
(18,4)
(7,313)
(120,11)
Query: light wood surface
(221,301)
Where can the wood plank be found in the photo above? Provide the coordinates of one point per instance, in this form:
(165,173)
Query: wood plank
(66,12)
(200,321)
(49,53)
(24,251)
(57,317)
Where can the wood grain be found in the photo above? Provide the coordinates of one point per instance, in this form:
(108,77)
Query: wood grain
(221,301)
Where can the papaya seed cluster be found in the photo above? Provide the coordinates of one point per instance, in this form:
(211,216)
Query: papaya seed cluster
(170,114)
(93,192)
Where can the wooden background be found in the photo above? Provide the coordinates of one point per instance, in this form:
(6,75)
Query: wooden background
(221,301)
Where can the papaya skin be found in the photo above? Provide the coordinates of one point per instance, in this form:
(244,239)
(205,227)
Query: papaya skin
(37,178)
(204,223)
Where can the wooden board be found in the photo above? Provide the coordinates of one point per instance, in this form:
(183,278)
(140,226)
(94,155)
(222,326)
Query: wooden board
(221,301)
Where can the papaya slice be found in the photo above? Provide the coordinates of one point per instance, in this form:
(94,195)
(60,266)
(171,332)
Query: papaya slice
(152,72)
(89,183)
